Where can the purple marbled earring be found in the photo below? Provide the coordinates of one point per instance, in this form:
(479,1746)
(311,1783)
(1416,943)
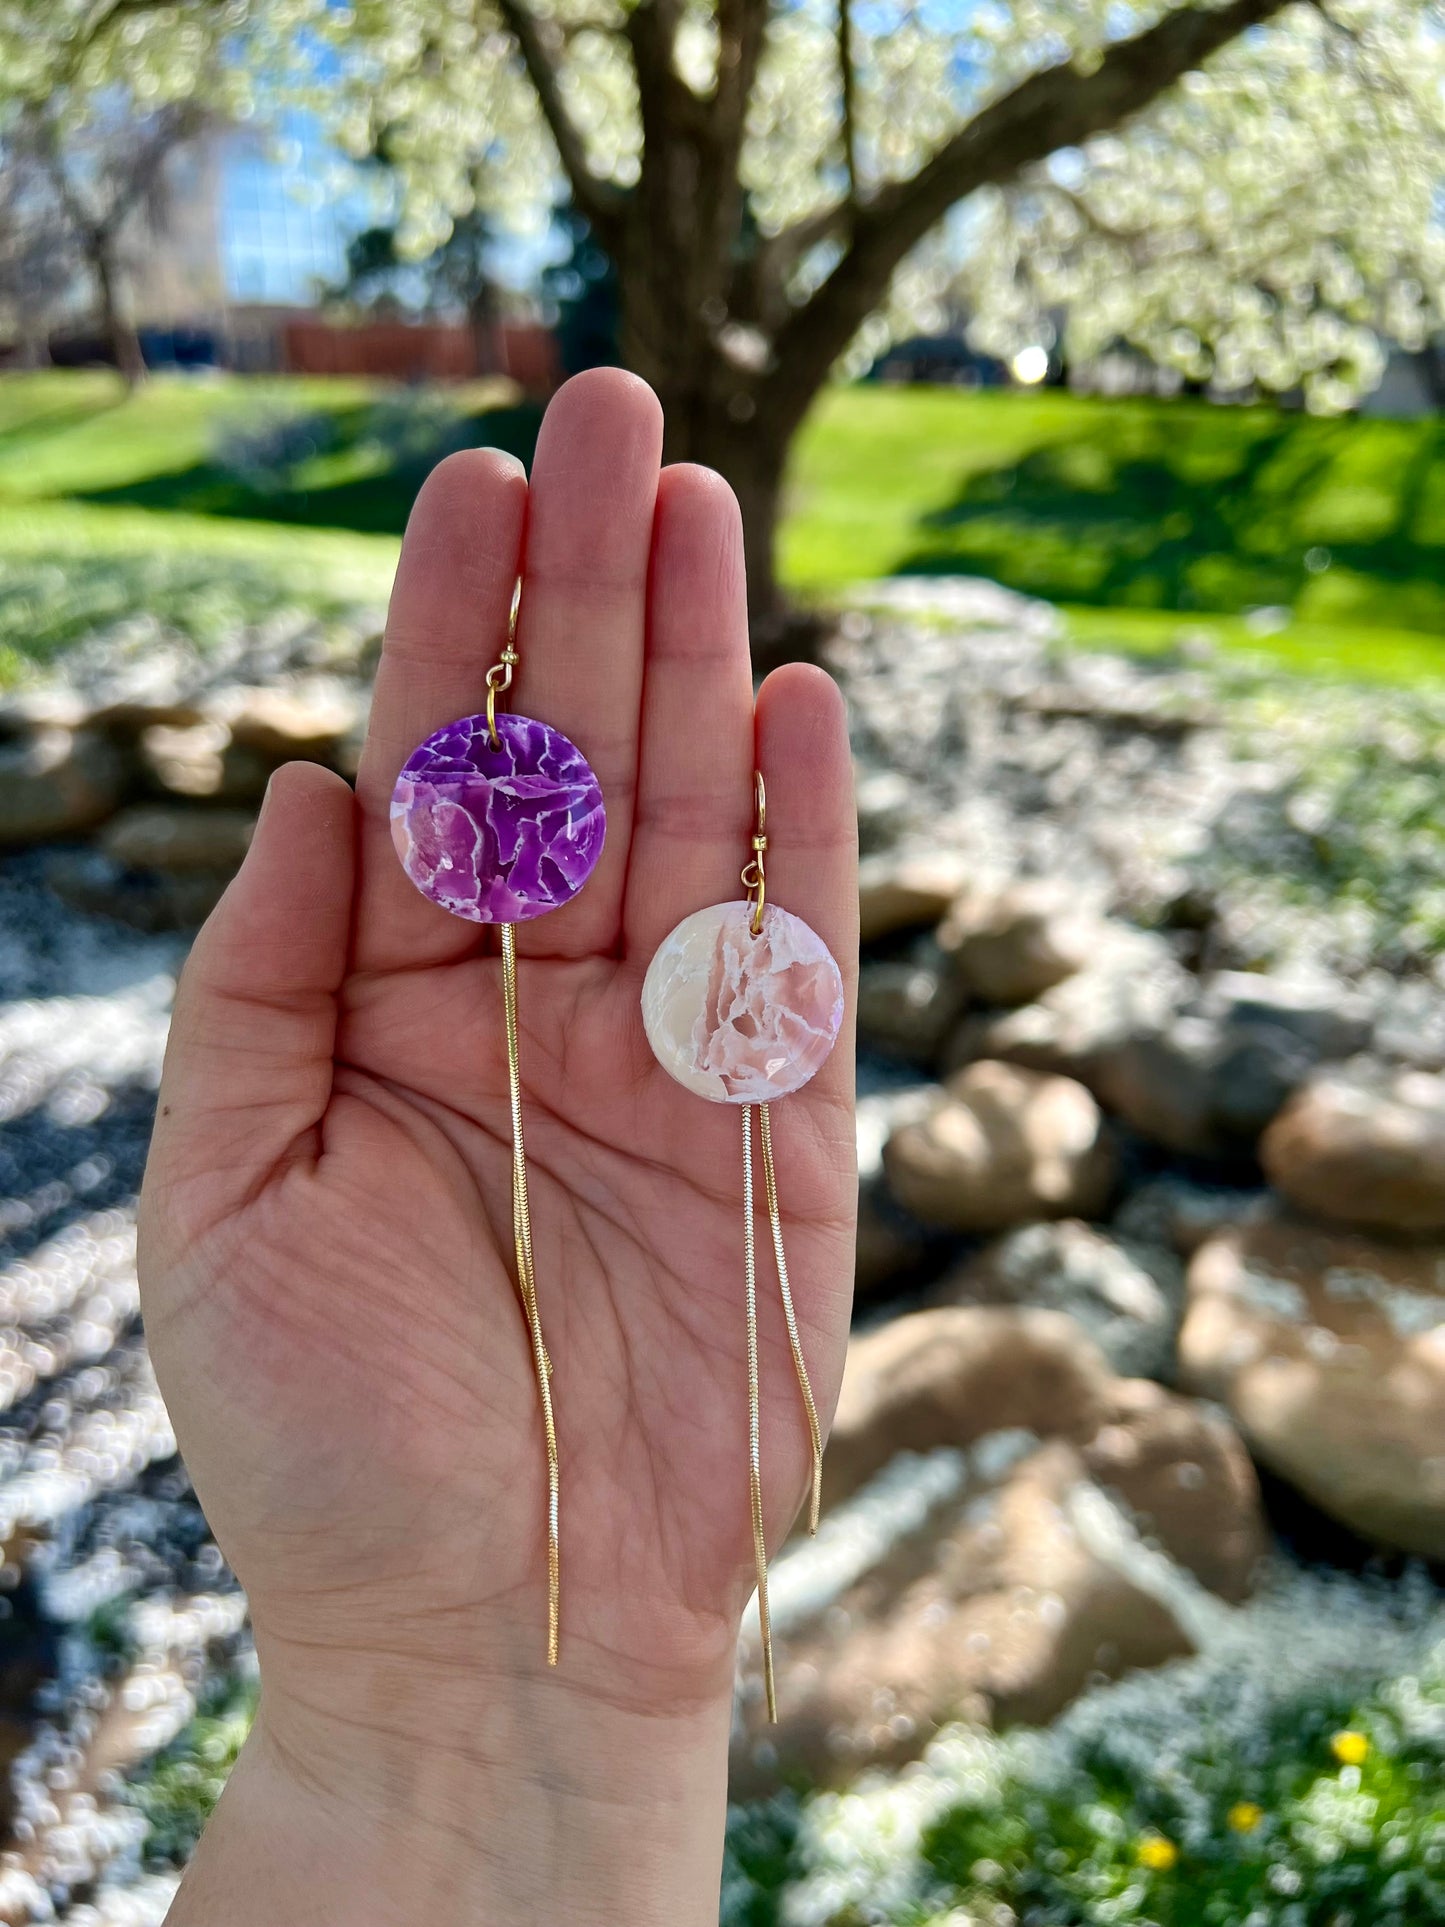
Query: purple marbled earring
(499,819)
(742,1003)
(498,833)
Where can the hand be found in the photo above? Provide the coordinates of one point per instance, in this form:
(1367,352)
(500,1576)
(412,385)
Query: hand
(326,1241)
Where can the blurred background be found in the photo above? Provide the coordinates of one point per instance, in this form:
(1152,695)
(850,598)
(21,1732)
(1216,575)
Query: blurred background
(1079,369)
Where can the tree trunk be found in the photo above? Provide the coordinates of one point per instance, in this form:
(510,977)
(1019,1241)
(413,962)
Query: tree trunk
(707,316)
(751,458)
(115,324)
(710,416)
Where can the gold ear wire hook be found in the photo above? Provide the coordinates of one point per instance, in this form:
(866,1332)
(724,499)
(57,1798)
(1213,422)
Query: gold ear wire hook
(499,676)
(754,877)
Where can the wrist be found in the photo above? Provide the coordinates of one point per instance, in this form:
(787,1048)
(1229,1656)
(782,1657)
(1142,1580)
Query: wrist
(373,1793)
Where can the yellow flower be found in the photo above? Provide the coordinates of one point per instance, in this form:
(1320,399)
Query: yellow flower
(1157,1854)
(1245,1816)
(1350,1749)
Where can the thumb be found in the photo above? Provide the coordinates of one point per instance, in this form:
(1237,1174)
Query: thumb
(248,1066)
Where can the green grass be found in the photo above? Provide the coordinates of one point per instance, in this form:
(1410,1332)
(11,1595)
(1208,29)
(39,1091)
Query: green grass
(175,445)
(1144,520)
(206,501)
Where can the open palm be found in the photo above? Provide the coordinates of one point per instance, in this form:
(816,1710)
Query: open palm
(326,1225)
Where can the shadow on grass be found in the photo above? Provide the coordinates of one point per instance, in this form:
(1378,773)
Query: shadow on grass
(356,468)
(1230,510)
(52,421)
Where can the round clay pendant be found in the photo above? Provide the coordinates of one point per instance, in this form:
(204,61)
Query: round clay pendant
(498,835)
(738,1018)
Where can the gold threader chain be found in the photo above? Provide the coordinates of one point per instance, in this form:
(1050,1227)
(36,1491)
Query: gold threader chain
(499,681)
(527,1285)
(754,882)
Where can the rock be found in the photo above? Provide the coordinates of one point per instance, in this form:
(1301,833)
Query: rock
(1000,1605)
(879,1113)
(1331,1021)
(951,1375)
(151,900)
(127,719)
(1202,1087)
(1364,1145)
(28,710)
(1132,985)
(1005,1521)
(896,894)
(1329,1352)
(1162,1085)
(1000,1146)
(885,809)
(1208,1081)
(1180,1215)
(1200,1073)
(159,836)
(311,720)
(1183,1472)
(1010,945)
(1128,1299)
(56,783)
(890,1249)
(1149,711)
(185,759)
(907,1010)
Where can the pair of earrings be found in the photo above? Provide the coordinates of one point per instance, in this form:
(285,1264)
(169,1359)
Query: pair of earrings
(499,818)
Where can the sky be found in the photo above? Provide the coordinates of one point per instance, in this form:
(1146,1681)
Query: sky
(283,227)
(288,207)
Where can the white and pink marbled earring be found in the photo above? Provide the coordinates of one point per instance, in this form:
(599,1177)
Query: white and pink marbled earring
(742,1004)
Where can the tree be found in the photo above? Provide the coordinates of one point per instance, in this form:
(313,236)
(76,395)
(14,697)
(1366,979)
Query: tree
(771,181)
(105,179)
(38,266)
(581,290)
(1241,183)
(92,116)
(455,278)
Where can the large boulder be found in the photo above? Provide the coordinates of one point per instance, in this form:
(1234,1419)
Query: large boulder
(1009,945)
(1006,1520)
(1180,1468)
(999,1146)
(1329,1351)
(57,783)
(1001,1605)
(1364,1144)
(1127,1296)
(951,1375)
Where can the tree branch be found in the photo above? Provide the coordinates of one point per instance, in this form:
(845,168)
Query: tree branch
(848,75)
(1055,108)
(598,199)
